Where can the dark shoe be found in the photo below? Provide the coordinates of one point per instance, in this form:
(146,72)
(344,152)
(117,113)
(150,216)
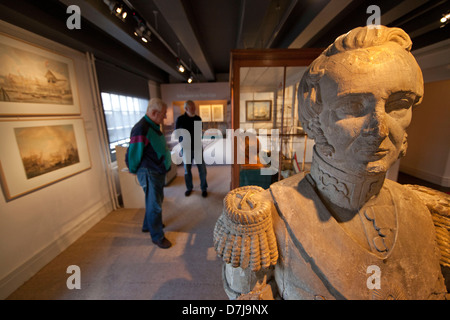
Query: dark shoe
(204,194)
(163,243)
(188,193)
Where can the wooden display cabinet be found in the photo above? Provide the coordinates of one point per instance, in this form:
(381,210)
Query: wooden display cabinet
(265,75)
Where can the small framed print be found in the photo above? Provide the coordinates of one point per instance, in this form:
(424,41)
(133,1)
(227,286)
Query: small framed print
(205,112)
(258,110)
(35,81)
(36,153)
(217,112)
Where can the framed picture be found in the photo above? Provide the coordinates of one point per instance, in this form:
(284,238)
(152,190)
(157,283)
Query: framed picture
(217,112)
(204,111)
(34,81)
(36,153)
(258,110)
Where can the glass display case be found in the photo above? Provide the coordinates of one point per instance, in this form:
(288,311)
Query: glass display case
(269,142)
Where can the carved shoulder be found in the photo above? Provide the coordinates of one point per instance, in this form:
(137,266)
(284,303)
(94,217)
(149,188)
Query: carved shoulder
(439,205)
(243,235)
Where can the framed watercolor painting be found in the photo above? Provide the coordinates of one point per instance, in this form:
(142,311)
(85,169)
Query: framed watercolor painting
(36,153)
(35,81)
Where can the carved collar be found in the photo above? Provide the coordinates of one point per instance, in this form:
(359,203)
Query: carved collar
(344,189)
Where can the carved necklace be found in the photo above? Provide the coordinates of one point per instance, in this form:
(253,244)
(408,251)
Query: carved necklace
(344,189)
(377,213)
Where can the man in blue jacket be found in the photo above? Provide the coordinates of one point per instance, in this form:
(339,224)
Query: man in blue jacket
(149,158)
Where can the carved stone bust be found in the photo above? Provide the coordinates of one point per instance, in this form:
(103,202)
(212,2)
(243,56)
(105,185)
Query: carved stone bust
(342,221)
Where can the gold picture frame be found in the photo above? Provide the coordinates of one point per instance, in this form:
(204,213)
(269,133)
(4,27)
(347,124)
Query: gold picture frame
(217,112)
(35,81)
(37,153)
(204,112)
(258,110)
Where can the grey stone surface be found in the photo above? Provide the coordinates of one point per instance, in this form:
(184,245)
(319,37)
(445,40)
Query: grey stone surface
(343,231)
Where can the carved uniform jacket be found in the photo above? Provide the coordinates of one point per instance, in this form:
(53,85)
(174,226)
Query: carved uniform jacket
(318,259)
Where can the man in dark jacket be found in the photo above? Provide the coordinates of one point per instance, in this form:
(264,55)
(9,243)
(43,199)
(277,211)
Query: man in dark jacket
(188,122)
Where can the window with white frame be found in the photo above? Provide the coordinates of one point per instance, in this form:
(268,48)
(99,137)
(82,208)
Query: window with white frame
(121,114)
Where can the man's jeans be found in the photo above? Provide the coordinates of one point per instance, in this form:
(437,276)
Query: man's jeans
(201,172)
(153,185)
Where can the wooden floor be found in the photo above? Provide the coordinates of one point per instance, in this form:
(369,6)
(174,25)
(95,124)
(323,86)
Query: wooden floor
(118,261)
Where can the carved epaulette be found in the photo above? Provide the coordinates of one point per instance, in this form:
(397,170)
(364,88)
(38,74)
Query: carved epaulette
(243,235)
(439,205)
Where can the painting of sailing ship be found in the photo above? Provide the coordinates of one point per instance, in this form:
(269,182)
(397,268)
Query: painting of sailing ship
(259,110)
(47,148)
(35,81)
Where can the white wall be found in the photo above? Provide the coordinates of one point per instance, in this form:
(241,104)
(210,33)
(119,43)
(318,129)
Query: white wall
(428,154)
(38,226)
(193,91)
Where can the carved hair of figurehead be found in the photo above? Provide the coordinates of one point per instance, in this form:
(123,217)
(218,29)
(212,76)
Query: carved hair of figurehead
(356,99)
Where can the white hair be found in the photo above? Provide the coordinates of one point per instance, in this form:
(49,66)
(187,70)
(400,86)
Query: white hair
(155,104)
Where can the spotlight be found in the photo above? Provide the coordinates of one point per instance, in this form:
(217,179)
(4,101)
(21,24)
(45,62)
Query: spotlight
(120,13)
(180,66)
(142,32)
(445,19)
(190,79)
(117,8)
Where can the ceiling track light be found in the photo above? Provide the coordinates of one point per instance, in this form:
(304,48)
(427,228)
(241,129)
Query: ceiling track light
(123,8)
(117,8)
(191,77)
(180,68)
(143,33)
(445,19)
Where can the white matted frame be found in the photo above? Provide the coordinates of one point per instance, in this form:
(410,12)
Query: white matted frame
(35,81)
(204,111)
(217,112)
(36,153)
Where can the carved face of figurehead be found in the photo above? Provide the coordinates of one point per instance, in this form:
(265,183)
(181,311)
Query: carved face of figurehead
(357,101)
(367,98)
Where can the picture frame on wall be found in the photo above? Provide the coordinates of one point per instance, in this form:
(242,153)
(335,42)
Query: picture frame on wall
(258,110)
(35,81)
(204,111)
(37,153)
(217,112)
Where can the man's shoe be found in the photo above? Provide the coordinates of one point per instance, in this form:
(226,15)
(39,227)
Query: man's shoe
(188,193)
(163,243)
(204,194)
